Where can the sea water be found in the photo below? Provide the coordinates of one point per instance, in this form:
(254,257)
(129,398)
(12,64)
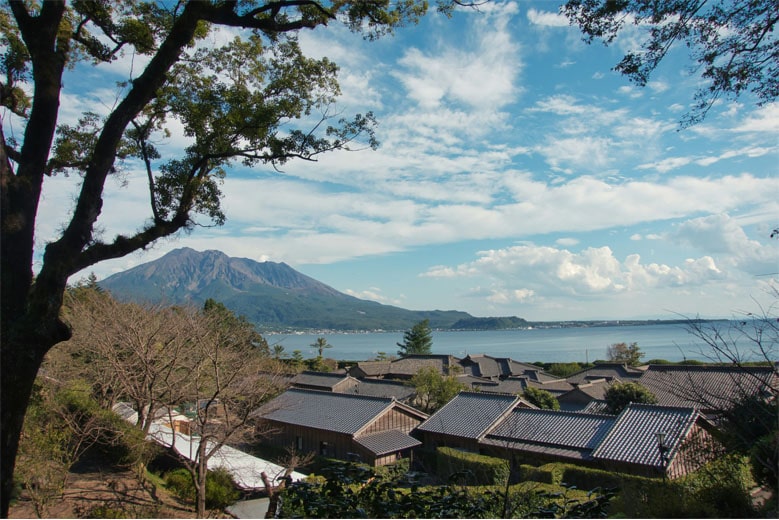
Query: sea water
(672,342)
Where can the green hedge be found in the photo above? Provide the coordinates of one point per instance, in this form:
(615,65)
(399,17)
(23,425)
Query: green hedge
(475,469)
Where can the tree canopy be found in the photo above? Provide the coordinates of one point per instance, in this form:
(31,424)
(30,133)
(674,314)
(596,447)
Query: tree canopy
(732,43)
(252,99)
(619,395)
(624,353)
(417,340)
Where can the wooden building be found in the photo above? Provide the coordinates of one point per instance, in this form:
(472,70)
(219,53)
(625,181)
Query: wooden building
(373,430)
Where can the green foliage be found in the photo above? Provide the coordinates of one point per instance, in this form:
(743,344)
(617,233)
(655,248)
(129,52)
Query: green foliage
(418,340)
(541,398)
(624,353)
(619,395)
(563,369)
(472,468)
(320,345)
(732,44)
(221,490)
(358,491)
(237,328)
(433,390)
(764,459)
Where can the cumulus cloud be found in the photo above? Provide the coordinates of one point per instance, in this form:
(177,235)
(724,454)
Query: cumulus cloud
(545,271)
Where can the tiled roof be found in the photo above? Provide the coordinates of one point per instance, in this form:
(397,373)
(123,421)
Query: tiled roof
(553,428)
(387,441)
(318,379)
(410,365)
(555,387)
(382,388)
(374,368)
(619,371)
(481,365)
(594,390)
(513,385)
(469,414)
(707,387)
(343,413)
(633,440)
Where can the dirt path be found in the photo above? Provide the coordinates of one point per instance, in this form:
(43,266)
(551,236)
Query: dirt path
(108,494)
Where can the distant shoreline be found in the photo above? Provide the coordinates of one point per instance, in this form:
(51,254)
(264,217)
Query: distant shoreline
(572,324)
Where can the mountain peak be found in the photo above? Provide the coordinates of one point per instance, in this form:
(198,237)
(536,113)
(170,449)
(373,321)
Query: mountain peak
(269,294)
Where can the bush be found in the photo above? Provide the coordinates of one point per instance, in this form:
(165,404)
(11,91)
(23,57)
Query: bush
(220,487)
(477,469)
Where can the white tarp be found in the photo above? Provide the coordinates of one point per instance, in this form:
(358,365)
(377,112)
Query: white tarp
(245,469)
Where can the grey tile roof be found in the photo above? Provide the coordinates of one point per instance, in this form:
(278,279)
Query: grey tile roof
(513,385)
(481,365)
(553,428)
(387,441)
(343,413)
(632,439)
(619,371)
(707,387)
(594,390)
(469,414)
(324,380)
(382,388)
(410,365)
(555,387)
(373,368)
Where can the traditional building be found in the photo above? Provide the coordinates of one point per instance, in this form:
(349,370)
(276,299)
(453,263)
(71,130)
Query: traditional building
(373,430)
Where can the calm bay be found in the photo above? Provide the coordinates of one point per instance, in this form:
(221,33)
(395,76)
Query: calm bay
(672,342)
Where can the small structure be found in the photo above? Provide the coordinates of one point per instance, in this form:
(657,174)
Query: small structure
(373,430)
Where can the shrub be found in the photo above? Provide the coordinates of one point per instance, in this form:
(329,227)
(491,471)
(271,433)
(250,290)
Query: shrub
(220,487)
(480,469)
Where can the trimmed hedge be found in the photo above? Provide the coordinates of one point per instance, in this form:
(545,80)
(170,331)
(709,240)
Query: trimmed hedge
(476,469)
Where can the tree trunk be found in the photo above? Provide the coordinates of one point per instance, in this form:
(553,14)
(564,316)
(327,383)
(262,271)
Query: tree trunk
(200,485)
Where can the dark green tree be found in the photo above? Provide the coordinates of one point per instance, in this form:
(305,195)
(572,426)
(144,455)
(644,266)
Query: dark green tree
(417,340)
(731,42)
(619,395)
(541,398)
(433,389)
(252,100)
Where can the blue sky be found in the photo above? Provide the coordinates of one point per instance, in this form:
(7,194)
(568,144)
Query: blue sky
(517,175)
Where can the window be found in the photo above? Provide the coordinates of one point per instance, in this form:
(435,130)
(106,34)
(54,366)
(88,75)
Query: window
(299,443)
(323,448)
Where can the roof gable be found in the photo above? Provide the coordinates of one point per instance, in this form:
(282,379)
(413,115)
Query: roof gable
(469,414)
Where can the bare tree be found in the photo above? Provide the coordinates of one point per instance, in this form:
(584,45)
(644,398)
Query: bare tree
(129,351)
(226,380)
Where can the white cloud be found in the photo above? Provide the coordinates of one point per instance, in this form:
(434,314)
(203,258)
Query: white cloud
(546,18)
(526,271)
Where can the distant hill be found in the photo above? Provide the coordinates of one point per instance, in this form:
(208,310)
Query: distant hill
(506,322)
(271,295)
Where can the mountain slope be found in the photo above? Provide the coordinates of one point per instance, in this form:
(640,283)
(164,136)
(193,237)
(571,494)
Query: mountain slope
(269,294)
